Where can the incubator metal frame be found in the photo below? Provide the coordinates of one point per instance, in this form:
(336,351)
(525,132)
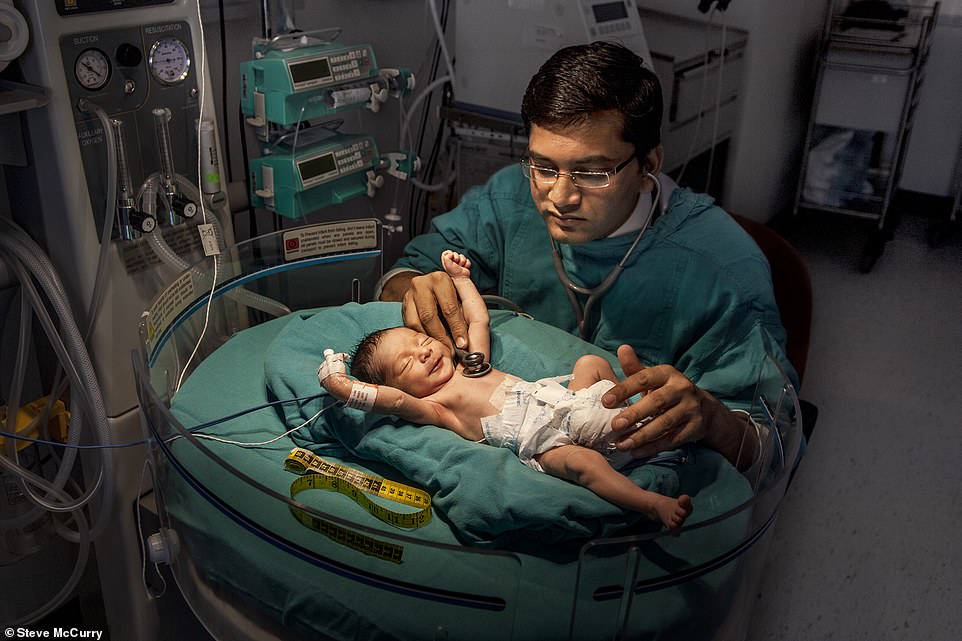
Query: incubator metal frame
(493,598)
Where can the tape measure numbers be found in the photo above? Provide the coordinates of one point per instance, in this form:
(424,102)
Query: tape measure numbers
(354,540)
(317,473)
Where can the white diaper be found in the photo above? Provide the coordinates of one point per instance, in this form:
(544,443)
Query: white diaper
(536,417)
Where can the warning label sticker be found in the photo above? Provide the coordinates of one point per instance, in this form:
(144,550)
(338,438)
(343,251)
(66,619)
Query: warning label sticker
(168,305)
(330,238)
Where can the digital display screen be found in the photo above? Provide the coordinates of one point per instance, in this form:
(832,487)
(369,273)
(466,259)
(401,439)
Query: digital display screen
(309,70)
(314,167)
(608,11)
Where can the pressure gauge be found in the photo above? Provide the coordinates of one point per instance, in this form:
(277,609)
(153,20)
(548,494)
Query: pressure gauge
(169,61)
(92,69)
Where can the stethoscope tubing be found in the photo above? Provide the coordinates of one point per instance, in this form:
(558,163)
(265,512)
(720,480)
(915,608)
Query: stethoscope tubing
(594,294)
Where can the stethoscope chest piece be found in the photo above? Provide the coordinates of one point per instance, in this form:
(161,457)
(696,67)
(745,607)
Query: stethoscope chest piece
(474,365)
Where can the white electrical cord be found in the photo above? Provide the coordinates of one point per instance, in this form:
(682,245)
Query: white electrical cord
(439,31)
(210,298)
(407,114)
(406,131)
(202,87)
(146,198)
(140,532)
(260,443)
(718,95)
(701,98)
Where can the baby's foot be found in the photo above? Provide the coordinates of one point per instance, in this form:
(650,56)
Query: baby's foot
(456,265)
(673,512)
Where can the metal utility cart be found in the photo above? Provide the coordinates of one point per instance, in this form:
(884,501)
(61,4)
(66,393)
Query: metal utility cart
(941,231)
(869,73)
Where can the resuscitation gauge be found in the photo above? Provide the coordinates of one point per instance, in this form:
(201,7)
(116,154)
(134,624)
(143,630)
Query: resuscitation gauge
(169,61)
(92,69)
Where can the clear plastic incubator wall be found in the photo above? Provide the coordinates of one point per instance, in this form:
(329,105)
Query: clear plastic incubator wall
(259,556)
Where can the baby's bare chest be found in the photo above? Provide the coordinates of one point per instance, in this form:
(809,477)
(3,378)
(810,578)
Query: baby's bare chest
(471,397)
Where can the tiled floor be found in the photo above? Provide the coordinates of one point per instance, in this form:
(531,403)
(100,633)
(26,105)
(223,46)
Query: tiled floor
(869,540)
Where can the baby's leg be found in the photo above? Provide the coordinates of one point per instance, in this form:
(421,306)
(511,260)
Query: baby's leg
(588,370)
(590,469)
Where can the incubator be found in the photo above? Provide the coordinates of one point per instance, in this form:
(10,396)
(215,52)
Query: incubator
(485,566)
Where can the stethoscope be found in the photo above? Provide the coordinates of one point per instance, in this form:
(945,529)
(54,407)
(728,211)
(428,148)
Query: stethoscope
(583,313)
(474,363)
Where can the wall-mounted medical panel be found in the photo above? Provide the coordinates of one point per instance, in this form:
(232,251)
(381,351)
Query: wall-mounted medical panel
(130,72)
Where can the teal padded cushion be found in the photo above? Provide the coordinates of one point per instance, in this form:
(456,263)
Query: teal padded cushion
(487,495)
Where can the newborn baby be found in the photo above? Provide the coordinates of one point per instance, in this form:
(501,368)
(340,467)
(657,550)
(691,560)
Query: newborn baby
(564,431)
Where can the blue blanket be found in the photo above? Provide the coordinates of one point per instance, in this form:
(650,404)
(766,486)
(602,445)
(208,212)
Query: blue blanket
(485,493)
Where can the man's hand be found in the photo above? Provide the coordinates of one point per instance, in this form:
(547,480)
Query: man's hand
(677,410)
(427,295)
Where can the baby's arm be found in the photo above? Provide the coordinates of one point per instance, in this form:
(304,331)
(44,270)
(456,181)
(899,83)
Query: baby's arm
(458,267)
(383,399)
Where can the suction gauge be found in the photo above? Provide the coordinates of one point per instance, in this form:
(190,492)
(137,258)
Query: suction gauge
(92,69)
(169,61)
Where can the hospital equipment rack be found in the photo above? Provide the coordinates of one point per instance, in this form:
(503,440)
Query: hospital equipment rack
(868,77)
(941,231)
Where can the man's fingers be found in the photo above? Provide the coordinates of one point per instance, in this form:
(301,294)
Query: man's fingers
(426,304)
(409,312)
(643,380)
(630,363)
(430,294)
(454,317)
(643,413)
(656,435)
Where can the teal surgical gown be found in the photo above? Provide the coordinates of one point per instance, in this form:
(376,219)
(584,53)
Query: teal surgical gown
(696,293)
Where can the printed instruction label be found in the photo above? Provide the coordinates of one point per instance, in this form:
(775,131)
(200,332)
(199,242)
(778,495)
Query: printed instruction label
(330,238)
(171,302)
(208,239)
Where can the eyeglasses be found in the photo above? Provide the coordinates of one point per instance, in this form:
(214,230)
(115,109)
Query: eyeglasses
(583,179)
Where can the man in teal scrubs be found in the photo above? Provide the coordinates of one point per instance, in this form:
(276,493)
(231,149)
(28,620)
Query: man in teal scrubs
(693,314)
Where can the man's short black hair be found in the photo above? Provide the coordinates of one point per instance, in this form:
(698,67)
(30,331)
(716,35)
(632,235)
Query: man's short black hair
(581,80)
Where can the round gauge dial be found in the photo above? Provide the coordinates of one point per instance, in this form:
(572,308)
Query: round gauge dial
(92,69)
(169,61)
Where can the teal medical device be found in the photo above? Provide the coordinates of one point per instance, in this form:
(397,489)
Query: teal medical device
(299,77)
(297,180)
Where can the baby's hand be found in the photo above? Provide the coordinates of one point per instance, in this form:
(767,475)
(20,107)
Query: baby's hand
(456,265)
(331,365)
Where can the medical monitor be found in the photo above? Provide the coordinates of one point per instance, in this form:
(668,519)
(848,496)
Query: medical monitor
(500,44)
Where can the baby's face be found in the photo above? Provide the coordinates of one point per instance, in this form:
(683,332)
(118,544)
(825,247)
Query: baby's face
(415,362)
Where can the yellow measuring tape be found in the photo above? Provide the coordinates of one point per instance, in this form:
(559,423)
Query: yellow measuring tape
(317,473)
